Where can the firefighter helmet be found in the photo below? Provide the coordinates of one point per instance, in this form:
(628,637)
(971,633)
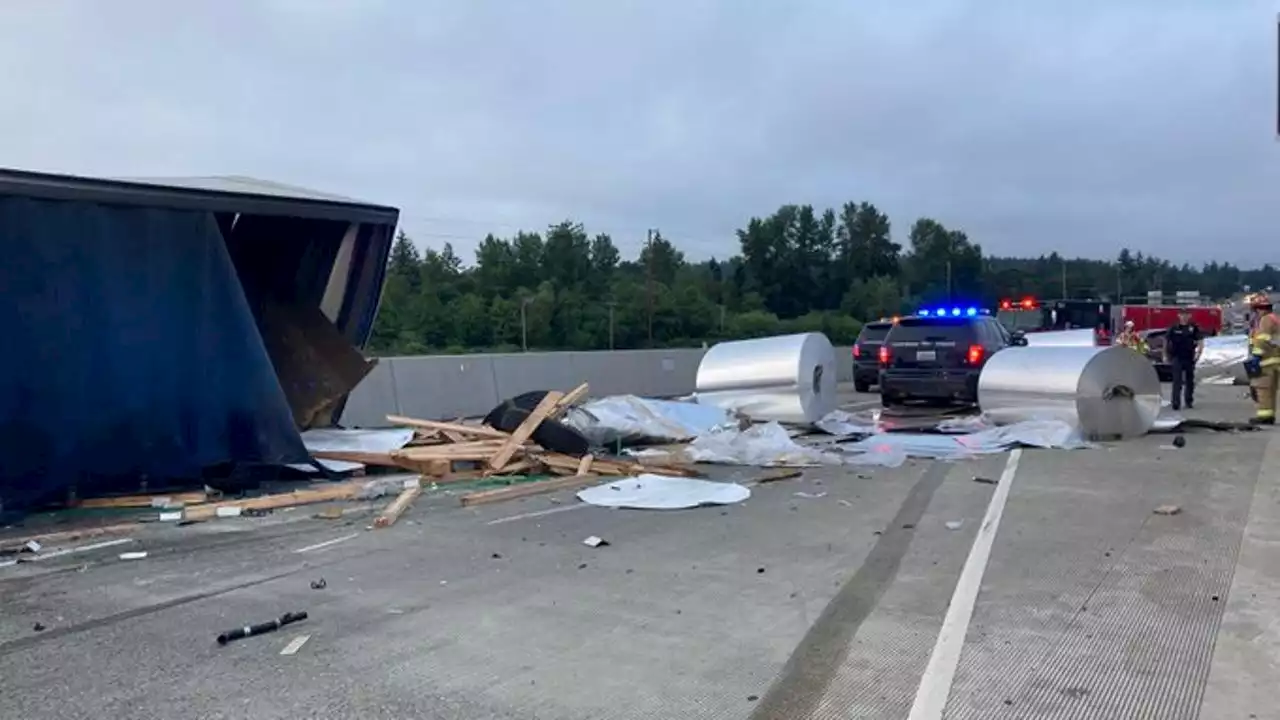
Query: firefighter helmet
(1258,300)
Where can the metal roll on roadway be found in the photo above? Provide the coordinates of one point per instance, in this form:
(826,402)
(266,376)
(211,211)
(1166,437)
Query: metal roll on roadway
(1108,392)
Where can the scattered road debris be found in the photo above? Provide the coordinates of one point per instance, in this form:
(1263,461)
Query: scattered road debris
(810,496)
(781,474)
(141,555)
(319,584)
(333,513)
(38,627)
(261,628)
(146,501)
(595,541)
(1168,510)
(398,506)
(985,480)
(295,645)
(955,524)
(1179,441)
(659,492)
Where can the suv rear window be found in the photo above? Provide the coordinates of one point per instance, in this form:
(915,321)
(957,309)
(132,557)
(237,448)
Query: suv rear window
(874,332)
(931,329)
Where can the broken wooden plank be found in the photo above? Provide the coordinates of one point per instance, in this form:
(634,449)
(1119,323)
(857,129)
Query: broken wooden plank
(334,491)
(584,465)
(70,535)
(473,430)
(571,398)
(780,474)
(522,433)
(526,489)
(365,458)
(397,507)
(146,501)
(463,451)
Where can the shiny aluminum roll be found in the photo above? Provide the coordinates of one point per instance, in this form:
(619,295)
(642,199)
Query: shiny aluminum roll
(786,378)
(1108,392)
(1061,338)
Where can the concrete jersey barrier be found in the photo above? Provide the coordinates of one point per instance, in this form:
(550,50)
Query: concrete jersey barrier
(439,387)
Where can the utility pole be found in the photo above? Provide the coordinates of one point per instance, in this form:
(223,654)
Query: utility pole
(721,319)
(612,304)
(648,280)
(948,281)
(1064,279)
(524,323)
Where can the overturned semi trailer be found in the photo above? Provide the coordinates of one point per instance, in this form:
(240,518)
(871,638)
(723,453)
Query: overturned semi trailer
(168,332)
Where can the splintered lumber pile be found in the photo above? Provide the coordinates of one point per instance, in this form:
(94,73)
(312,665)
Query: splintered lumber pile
(444,452)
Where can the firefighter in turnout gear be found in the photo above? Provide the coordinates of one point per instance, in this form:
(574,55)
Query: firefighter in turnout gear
(1131,339)
(1263,365)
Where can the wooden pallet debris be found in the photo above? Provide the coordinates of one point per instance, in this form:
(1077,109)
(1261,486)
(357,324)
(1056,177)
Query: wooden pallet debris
(327,492)
(159,500)
(513,492)
(397,507)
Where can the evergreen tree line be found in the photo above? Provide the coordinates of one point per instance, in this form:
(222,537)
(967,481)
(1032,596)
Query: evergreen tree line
(797,270)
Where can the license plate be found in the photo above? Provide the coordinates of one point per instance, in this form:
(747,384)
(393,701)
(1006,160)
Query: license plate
(926,355)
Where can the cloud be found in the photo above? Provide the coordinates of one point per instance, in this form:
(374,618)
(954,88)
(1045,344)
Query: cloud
(1034,126)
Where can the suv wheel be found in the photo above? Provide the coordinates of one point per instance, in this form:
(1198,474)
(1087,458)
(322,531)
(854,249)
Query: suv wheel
(887,400)
(861,386)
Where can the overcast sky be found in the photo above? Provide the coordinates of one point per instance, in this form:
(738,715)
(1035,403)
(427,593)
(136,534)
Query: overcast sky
(1033,125)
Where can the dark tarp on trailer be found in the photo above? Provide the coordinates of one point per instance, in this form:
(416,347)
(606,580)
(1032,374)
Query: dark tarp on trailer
(133,351)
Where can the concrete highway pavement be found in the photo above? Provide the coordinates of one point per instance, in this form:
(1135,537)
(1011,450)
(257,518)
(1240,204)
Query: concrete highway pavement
(820,597)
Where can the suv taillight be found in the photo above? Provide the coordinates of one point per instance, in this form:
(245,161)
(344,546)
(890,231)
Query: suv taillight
(975,355)
(857,351)
(884,355)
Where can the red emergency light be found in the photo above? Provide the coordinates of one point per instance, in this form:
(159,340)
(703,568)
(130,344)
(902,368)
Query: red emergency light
(1026,303)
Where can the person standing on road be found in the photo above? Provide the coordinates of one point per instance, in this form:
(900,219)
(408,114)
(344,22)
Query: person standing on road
(1263,365)
(1183,344)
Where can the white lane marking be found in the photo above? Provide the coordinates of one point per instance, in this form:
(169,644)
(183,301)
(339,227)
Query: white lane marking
(326,543)
(935,684)
(537,513)
(80,549)
(295,645)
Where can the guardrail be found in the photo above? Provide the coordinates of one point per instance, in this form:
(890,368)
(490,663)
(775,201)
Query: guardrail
(441,387)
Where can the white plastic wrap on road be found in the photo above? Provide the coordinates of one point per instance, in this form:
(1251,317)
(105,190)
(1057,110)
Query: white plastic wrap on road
(766,445)
(936,446)
(629,419)
(1222,362)
(661,492)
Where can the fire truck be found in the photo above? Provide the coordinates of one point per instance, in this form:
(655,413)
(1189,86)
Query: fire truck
(1156,311)
(1031,314)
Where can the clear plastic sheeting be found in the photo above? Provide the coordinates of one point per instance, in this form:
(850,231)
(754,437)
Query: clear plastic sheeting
(662,492)
(1062,338)
(631,419)
(1222,362)
(887,448)
(786,378)
(1107,392)
(765,445)
(369,441)
(844,424)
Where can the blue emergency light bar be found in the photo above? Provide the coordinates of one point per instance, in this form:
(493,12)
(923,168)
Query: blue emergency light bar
(949,312)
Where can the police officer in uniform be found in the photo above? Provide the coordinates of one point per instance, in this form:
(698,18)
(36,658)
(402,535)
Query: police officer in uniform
(1183,344)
